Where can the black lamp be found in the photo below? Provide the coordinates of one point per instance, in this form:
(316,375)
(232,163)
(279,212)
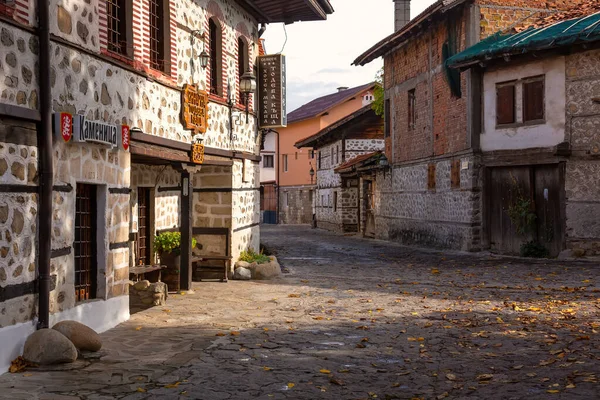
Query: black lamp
(247,86)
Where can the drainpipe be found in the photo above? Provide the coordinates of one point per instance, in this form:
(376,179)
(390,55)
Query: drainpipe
(44,136)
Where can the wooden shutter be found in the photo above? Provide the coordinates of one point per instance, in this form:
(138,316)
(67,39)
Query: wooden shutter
(431,177)
(505,105)
(533,100)
(455,174)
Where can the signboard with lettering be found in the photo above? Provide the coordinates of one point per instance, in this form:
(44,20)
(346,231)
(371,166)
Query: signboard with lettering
(198,153)
(78,129)
(272,91)
(194,109)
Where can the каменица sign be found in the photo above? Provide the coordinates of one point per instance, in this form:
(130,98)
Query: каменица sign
(79,129)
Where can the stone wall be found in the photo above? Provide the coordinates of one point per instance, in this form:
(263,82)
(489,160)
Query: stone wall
(296,205)
(408,212)
(583,168)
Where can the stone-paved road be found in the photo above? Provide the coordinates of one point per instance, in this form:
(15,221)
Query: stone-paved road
(354,319)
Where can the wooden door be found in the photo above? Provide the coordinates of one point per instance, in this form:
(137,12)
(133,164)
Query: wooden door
(369,228)
(86,270)
(549,197)
(268,204)
(144,256)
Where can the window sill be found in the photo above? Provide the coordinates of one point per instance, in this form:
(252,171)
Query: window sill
(521,124)
(118,56)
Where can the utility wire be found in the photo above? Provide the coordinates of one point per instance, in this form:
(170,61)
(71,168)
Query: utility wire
(286,39)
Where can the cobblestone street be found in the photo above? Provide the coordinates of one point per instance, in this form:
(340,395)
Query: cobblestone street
(354,319)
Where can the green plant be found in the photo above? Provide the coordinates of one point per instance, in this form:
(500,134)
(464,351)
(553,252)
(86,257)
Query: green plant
(534,249)
(379,94)
(169,242)
(520,211)
(251,256)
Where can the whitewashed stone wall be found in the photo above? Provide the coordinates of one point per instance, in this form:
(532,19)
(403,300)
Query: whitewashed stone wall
(245,207)
(407,212)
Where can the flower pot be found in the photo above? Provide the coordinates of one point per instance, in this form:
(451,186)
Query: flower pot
(171,275)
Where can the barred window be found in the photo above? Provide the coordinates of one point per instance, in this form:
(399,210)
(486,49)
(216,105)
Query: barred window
(216,86)
(159,35)
(242,64)
(119,17)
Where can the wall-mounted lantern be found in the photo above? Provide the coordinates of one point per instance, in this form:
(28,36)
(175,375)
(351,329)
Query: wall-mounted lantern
(311,173)
(247,87)
(204,57)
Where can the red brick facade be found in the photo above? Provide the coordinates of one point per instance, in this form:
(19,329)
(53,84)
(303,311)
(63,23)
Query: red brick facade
(441,118)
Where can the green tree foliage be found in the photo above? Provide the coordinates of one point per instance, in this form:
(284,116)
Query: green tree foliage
(378,103)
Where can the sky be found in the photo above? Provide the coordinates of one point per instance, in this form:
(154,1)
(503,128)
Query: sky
(319,54)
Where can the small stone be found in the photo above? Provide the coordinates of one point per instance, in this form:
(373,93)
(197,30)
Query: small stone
(32,175)
(4,252)
(21,45)
(83,86)
(82,336)
(26,74)
(18,222)
(130,103)
(3,166)
(18,170)
(3,213)
(65,24)
(48,347)
(11,81)
(141,285)
(242,274)
(33,99)
(34,45)
(2,274)
(266,271)
(106,100)
(11,59)
(18,271)
(6,37)
(242,264)
(21,97)
(76,66)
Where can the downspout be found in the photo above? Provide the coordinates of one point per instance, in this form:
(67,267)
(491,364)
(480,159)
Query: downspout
(46,168)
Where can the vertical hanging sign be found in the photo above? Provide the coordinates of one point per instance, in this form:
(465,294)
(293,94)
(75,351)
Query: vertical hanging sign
(272,91)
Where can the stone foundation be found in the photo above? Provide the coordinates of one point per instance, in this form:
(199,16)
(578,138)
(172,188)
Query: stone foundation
(144,294)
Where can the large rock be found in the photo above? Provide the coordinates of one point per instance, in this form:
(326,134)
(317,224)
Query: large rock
(266,271)
(242,264)
(242,274)
(48,347)
(83,337)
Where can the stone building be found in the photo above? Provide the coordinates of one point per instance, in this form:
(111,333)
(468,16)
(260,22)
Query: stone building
(295,183)
(432,193)
(129,96)
(539,143)
(337,202)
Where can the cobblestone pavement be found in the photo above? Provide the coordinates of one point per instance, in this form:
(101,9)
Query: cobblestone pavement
(354,319)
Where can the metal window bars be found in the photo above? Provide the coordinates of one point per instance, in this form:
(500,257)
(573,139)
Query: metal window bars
(157,35)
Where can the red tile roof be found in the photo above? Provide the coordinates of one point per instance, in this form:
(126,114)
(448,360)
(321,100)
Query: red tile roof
(580,8)
(325,103)
(356,160)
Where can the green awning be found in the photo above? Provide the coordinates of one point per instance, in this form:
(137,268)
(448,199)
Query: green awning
(565,33)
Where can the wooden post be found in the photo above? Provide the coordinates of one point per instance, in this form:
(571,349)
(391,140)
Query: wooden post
(187,197)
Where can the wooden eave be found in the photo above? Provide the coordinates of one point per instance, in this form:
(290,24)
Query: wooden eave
(287,11)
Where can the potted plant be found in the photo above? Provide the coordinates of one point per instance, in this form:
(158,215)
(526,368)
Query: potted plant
(168,247)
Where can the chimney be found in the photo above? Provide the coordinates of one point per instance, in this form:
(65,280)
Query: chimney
(342,88)
(402,14)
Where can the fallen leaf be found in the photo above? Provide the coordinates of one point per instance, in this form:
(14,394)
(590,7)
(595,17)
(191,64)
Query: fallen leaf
(553,391)
(451,377)
(291,385)
(141,390)
(268,369)
(485,377)
(293,295)
(324,371)
(172,385)
(234,333)
(336,382)
(139,328)
(221,334)
(435,271)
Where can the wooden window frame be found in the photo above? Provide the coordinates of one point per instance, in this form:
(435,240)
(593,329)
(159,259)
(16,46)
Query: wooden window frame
(86,279)
(215,46)
(335,198)
(412,109)
(243,65)
(268,164)
(124,27)
(159,35)
(500,87)
(7,8)
(528,81)
(455,174)
(285,163)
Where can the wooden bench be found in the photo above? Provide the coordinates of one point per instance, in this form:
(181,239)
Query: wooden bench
(139,273)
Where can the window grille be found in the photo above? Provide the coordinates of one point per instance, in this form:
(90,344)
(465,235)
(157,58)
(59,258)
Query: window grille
(85,243)
(157,34)
(116,14)
(7,7)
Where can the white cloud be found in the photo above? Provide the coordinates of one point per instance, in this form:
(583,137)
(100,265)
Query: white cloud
(319,54)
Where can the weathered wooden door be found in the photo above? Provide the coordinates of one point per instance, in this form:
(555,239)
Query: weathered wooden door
(268,203)
(369,228)
(538,188)
(144,256)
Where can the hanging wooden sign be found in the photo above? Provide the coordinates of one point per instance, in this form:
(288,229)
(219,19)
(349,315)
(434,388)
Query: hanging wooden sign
(272,91)
(194,109)
(198,153)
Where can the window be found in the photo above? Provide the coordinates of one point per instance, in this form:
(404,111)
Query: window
(85,247)
(216,86)
(311,154)
(334,201)
(412,109)
(287,199)
(533,100)
(242,64)
(337,154)
(7,7)
(322,200)
(285,163)
(296,155)
(310,196)
(319,164)
(388,119)
(268,161)
(505,104)
(160,49)
(119,17)
(455,174)
(431,177)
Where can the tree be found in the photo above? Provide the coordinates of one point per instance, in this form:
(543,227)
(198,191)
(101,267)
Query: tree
(378,103)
